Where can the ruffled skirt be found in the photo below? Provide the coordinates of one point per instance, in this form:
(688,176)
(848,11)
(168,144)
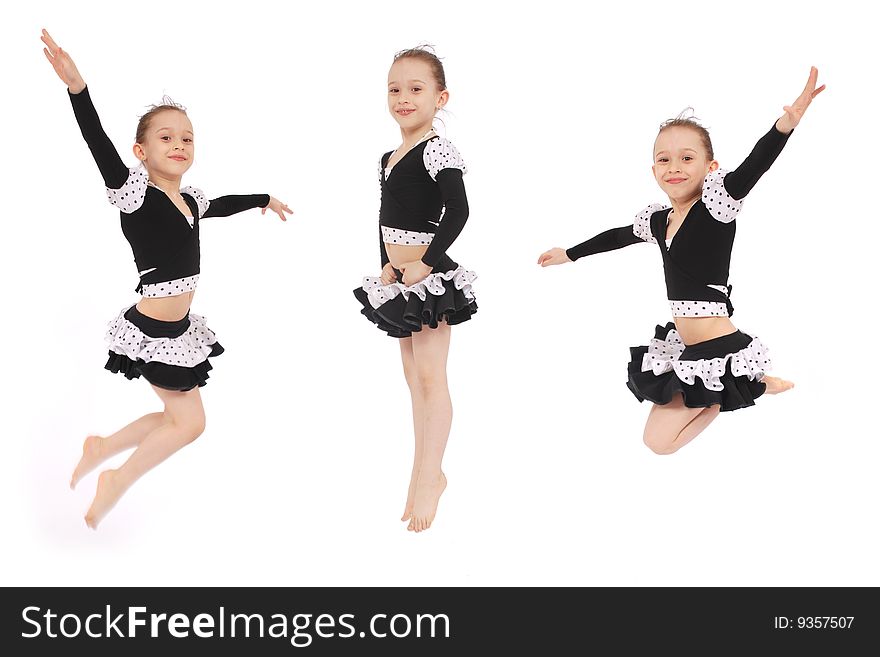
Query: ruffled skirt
(726,370)
(170,355)
(398,309)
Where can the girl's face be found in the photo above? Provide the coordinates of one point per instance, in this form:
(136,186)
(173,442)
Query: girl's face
(681,163)
(168,148)
(413,94)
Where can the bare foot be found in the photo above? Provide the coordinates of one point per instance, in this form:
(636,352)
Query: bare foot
(410,496)
(425,506)
(92,457)
(108,494)
(775,385)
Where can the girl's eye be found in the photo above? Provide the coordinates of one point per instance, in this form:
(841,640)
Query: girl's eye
(165,138)
(188,140)
(662,159)
(688,157)
(392,91)
(416,90)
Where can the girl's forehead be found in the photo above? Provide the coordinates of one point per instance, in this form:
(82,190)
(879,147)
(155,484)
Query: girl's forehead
(677,138)
(410,68)
(172,119)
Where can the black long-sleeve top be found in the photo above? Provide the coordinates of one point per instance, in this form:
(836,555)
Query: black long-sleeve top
(164,243)
(423,193)
(697,262)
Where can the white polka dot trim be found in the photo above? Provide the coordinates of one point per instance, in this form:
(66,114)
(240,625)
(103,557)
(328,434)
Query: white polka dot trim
(432,284)
(440,154)
(187,350)
(721,205)
(130,197)
(642,223)
(406,237)
(170,288)
(698,308)
(200,199)
(663,356)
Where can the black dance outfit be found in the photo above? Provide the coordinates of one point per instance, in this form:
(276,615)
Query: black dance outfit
(165,243)
(726,370)
(423,202)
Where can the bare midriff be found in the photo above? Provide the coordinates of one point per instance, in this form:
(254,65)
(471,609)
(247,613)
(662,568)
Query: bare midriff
(699,329)
(167,309)
(399,254)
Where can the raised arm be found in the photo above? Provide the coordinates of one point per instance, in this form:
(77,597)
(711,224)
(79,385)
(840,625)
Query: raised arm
(739,182)
(111,166)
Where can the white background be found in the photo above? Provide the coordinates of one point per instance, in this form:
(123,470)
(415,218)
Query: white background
(301,475)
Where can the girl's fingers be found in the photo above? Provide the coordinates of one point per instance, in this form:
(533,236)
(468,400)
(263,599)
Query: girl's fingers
(48,40)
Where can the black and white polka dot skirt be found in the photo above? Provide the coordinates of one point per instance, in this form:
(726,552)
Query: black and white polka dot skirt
(170,355)
(445,295)
(726,371)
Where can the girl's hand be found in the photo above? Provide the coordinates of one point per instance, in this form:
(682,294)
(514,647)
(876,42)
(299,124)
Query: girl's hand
(795,111)
(554,256)
(277,207)
(63,64)
(414,272)
(388,275)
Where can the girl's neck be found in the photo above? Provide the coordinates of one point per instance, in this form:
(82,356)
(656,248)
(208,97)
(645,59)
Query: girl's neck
(681,208)
(171,186)
(413,136)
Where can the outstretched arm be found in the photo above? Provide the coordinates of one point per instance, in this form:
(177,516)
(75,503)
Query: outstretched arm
(225,206)
(739,182)
(616,238)
(112,168)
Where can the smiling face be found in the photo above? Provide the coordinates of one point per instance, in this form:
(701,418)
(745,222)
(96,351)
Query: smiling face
(681,163)
(414,96)
(167,148)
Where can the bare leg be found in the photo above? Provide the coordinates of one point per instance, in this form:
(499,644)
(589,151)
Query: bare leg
(418,411)
(97,449)
(430,351)
(775,385)
(672,426)
(186,422)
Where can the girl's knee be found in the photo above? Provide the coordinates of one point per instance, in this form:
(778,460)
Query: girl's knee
(659,443)
(190,426)
(430,382)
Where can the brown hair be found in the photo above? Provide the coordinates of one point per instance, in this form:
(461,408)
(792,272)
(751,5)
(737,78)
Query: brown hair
(686,119)
(144,122)
(425,52)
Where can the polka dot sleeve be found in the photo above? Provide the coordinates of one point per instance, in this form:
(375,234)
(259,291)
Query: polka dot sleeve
(642,222)
(440,154)
(199,196)
(130,197)
(721,205)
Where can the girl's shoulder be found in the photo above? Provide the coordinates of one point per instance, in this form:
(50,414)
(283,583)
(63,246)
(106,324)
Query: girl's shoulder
(439,154)
(718,201)
(642,222)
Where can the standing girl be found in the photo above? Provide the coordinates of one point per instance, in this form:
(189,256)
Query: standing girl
(421,292)
(157,338)
(700,364)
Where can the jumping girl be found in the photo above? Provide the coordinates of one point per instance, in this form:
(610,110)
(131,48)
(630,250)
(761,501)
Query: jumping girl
(157,338)
(700,364)
(421,291)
